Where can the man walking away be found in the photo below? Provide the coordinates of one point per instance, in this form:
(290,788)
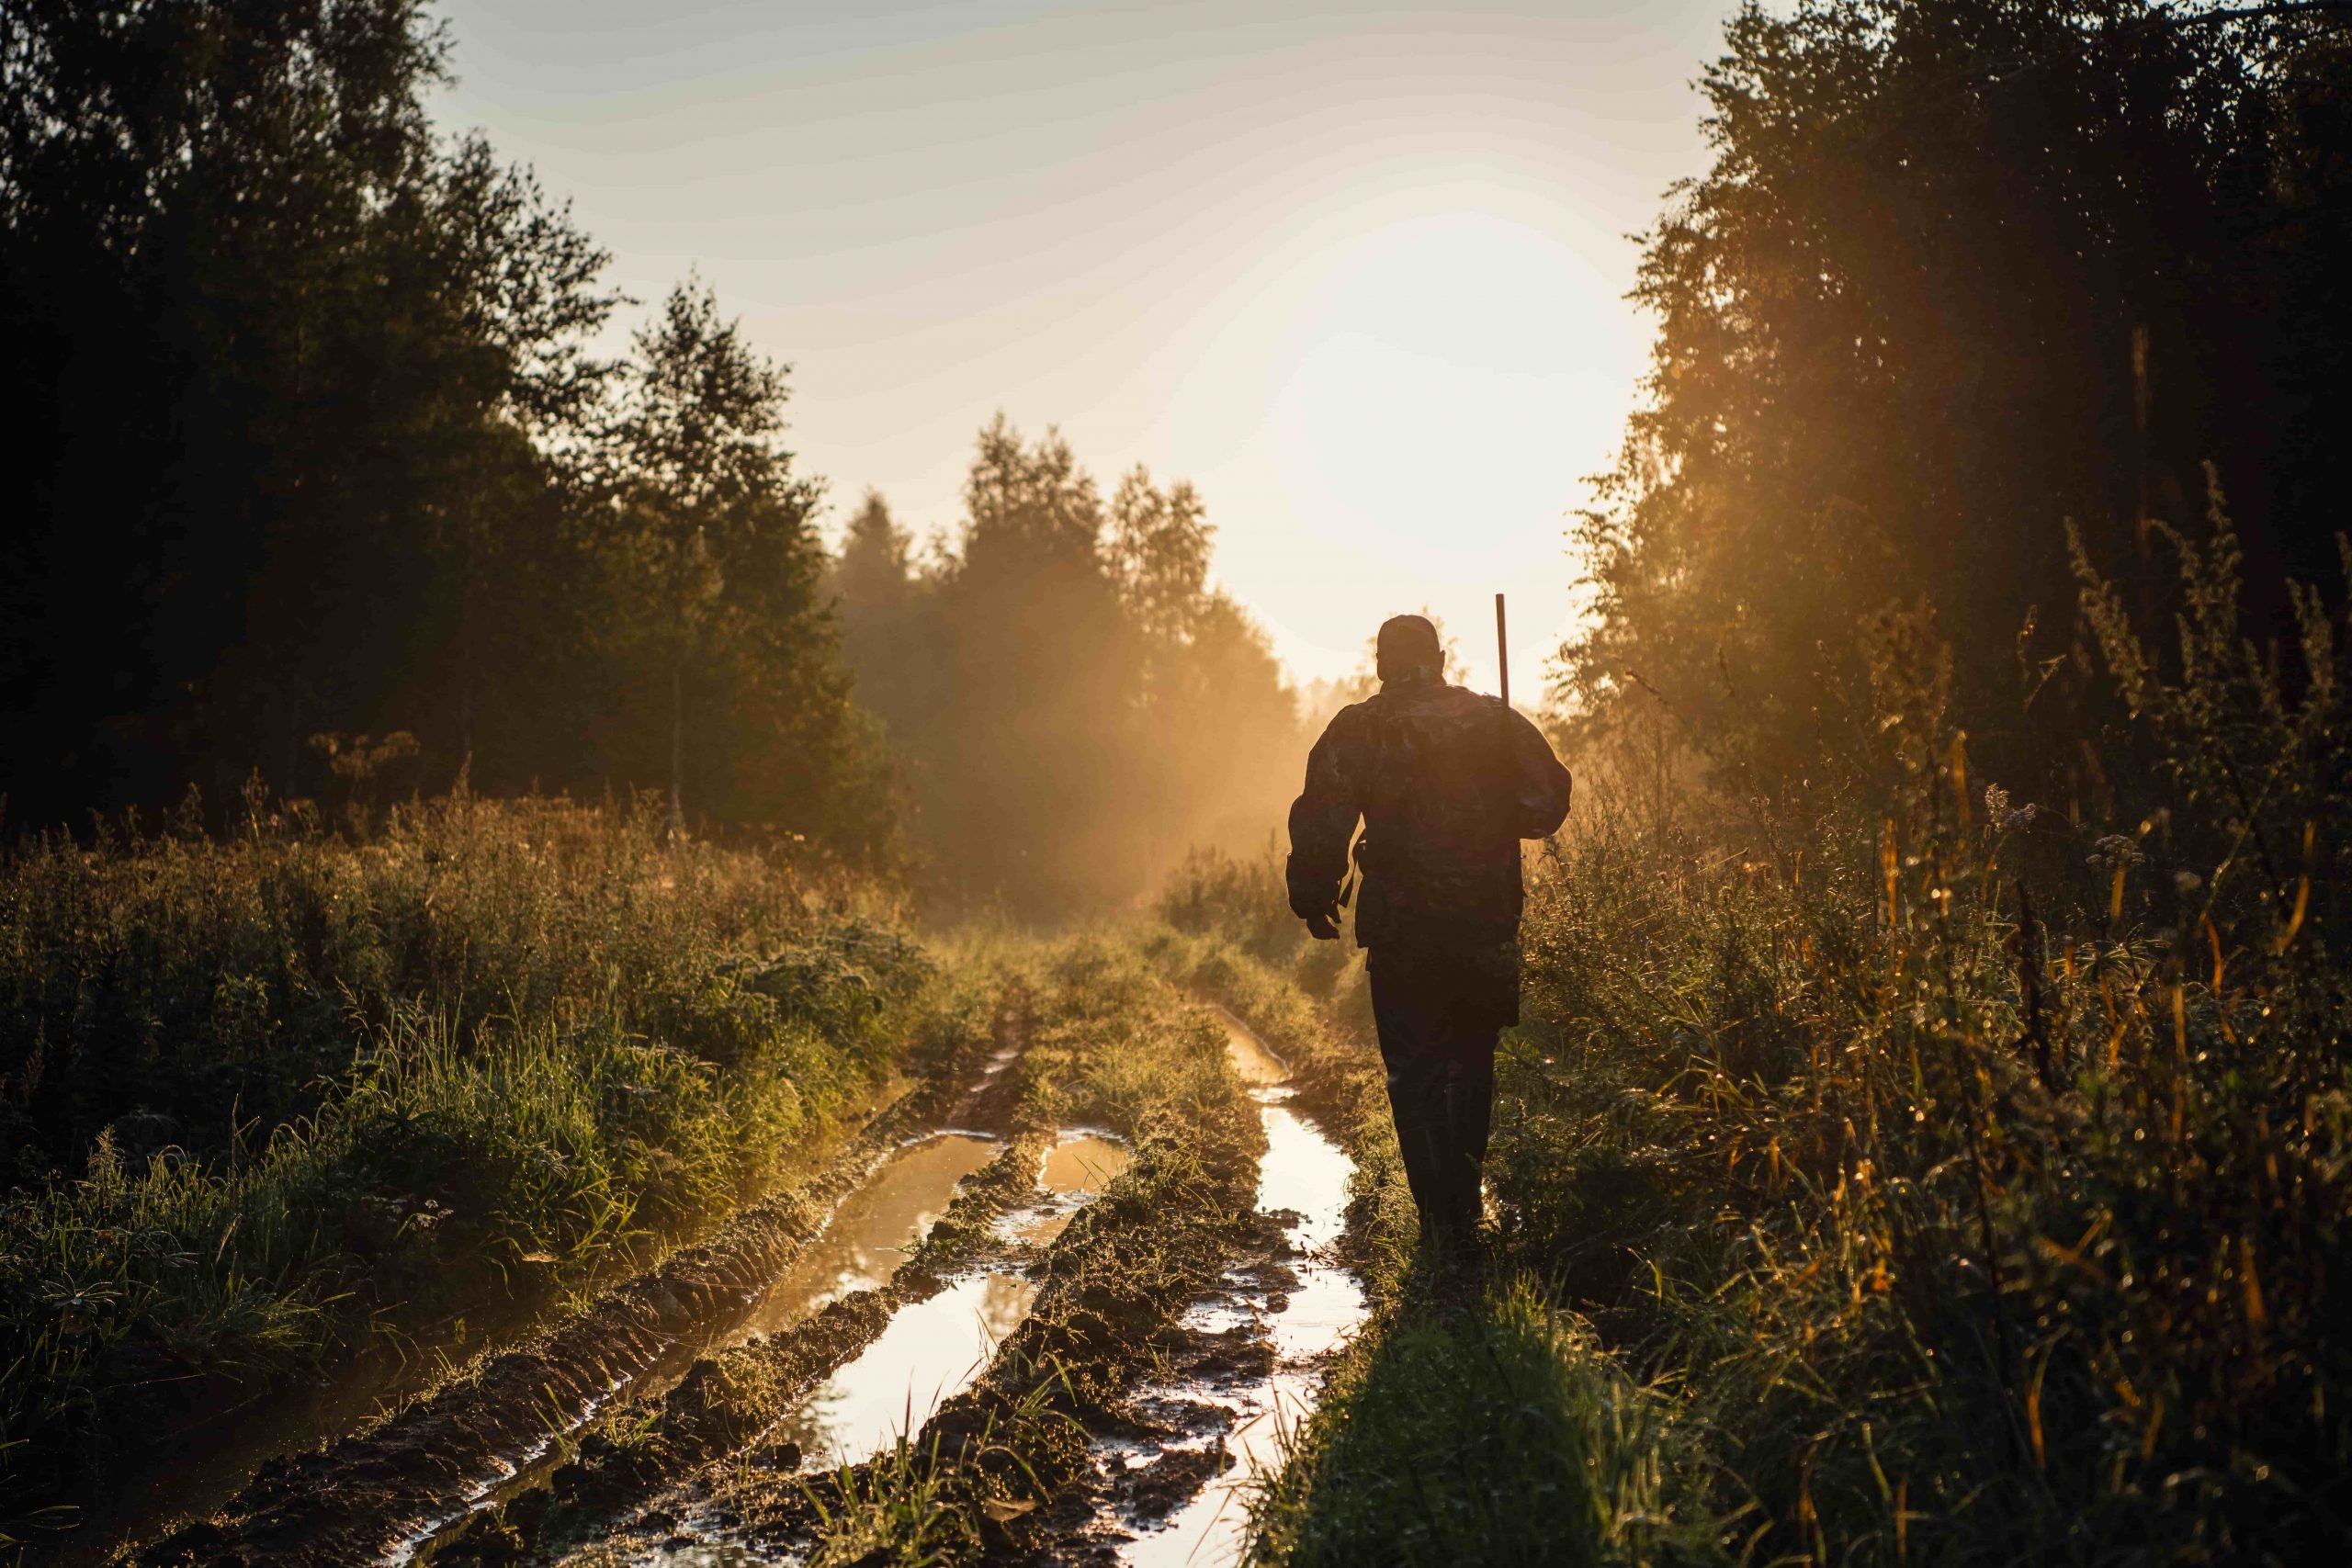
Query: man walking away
(1447,782)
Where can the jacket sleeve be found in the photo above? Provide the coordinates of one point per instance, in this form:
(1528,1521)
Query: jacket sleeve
(1540,784)
(1322,820)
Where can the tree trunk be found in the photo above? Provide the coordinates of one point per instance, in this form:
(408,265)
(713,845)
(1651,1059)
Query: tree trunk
(469,662)
(677,742)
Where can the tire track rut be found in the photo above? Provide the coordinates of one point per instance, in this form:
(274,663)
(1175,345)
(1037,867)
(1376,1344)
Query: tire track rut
(370,1497)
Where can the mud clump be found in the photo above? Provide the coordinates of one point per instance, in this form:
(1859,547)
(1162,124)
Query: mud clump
(721,1402)
(1153,1491)
(486,1540)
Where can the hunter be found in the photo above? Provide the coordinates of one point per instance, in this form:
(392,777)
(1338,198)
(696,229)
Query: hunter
(1446,782)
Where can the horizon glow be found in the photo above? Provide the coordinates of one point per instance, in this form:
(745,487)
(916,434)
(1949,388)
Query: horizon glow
(1359,275)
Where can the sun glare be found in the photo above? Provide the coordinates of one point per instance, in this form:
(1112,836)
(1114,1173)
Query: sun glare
(1436,387)
(1435,400)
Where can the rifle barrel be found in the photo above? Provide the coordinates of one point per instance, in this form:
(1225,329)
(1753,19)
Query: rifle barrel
(1502,650)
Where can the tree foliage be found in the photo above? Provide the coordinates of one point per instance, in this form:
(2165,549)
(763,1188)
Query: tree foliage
(316,445)
(1962,272)
(715,621)
(1074,702)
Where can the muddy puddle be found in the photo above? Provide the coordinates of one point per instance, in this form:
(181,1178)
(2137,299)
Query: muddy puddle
(862,1244)
(930,1350)
(870,1233)
(933,1350)
(1306,1312)
(1077,1168)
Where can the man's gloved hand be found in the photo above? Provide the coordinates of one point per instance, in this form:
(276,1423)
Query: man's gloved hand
(1323,925)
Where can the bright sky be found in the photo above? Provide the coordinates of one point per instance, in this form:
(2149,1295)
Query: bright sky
(1357,271)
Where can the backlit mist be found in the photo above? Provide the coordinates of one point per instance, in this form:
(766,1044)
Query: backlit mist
(1357,274)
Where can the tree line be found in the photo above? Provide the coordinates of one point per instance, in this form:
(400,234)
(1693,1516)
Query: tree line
(1964,279)
(319,479)
(1075,704)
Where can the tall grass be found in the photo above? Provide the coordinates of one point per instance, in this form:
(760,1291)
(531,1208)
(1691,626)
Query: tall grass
(1972,1171)
(1983,1166)
(309,1088)
(1507,1431)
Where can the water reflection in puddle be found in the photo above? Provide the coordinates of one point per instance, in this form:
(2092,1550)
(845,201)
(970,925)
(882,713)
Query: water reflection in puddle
(930,1351)
(1076,1170)
(1306,1175)
(1259,1067)
(933,1348)
(713,1554)
(870,1233)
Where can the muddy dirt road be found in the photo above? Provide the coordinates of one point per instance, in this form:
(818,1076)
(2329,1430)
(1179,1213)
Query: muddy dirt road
(1303,1183)
(1059,1319)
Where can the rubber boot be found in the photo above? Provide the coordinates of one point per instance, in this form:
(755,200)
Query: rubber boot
(1469,1112)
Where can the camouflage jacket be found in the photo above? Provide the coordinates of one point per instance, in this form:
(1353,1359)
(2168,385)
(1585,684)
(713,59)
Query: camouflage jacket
(1447,783)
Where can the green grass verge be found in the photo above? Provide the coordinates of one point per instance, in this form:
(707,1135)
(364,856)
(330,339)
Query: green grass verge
(1488,1426)
(325,1092)
(1499,1434)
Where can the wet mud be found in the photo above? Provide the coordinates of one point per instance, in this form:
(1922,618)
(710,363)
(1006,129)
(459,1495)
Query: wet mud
(1093,1366)
(867,1364)
(1300,1321)
(865,1370)
(968,1289)
(873,1229)
(377,1495)
(1242,1365)
(833,1297)
(1121,1417)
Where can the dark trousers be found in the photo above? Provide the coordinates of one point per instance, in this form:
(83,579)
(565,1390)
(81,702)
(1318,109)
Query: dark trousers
(1438,1044)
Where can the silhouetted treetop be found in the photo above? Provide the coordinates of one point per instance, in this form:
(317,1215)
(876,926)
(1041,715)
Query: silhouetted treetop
(1960,272)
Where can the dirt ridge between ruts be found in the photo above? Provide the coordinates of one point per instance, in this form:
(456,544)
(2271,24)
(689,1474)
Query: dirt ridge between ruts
(1092,1515)
(1095,1336)
(1116,1282)
(725,1400)
(1087,1520)
(352,1500)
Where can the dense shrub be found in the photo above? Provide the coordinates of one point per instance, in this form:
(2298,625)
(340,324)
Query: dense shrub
(1970,1172)
(1979,1166)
